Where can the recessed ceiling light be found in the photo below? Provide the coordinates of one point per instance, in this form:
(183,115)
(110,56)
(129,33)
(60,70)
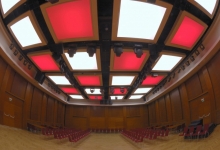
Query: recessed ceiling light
(25,33)
(142,90)
(167,62)
(82,61)
(122,80)
(76,96)
(8,4)
(136,96)
(142,22)
(116,97)
(209,5)
(61,80)
(96,91)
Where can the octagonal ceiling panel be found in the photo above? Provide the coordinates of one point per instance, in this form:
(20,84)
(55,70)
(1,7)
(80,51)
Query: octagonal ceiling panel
(128,61)
(71,20)
(144,23)
(186,31)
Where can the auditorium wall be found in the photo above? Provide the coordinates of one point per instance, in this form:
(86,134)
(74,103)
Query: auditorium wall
(21,102)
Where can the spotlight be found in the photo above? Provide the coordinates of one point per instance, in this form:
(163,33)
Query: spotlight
(29,66)
(116,98)
(118,49)
(25,62)
(91,50)
(11,46)
(138,50)
(72,50)
(53,1)
(15,52)
(183,67)
(20,57)
(122,90)
(192,58)
(179,70)
(101,91)
(202,47)
(112,90)
(197,52)
(154,75)
(187,63)
(92,90)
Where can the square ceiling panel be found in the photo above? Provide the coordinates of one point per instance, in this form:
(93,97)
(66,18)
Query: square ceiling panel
(186,31)
(26,31)
(152,80)
(44,61)
(207,6)
(167,61)
(72,20)
(89,80)
(81,61)
(122,80)
(95,91)
(143,90)
(117,91)
(58,79)
(143,24)
(95,97)
(136,96)
(7,6)
(69,90)
(128,61)
(116,97)
(76,96)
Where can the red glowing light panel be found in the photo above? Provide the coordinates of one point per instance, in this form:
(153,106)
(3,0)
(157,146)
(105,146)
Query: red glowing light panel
(95,97)
(89,80)
(69,90)
(188,33)
(71,19)
(128,61)
(45,62)
(118,92)
(152,80)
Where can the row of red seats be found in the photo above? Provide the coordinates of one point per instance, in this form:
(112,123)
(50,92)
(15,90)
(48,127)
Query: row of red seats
(195,132)
(78,136)
(116,130)
(138,135)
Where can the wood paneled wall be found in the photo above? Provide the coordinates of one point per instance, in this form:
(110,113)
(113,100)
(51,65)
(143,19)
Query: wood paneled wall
(83,117)
(36,107)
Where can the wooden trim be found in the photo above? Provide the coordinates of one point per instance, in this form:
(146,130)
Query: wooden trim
(37,28)
(12,8)
(203,9)
(112,58)
(98,61)
(198,96)
(115,22)
(94,14)
(14,95)
(176,26)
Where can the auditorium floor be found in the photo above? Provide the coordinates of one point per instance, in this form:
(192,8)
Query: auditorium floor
(16,139)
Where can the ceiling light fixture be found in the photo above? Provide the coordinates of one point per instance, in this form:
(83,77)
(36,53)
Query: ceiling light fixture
(91,50)
(72,50)
(118,49)
(138,50)
(122,90)
(92,90)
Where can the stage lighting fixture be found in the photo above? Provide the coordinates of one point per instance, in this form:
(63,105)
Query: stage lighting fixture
(183,67)
(154,75)
(72,50)
(20,57)
(92,90)
(91,50)
(187,63)
(25,62)
(11,46)
(202,47)
(138,50)
(192,58)
(29,66)
(197,52)
(53,1)
(122,90)
(15,52)
(118,49)
(116,98)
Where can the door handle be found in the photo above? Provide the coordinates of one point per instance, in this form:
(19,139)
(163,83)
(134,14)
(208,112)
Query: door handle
(202,117)
(207,115)
(6,114)
(12,116)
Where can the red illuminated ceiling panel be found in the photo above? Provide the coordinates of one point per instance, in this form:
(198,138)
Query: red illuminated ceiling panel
(45,62)
(89,80)
(69,90)
(188,32)
(95,97)
(152,80)
(71,19)
(118,92)
(129,61)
